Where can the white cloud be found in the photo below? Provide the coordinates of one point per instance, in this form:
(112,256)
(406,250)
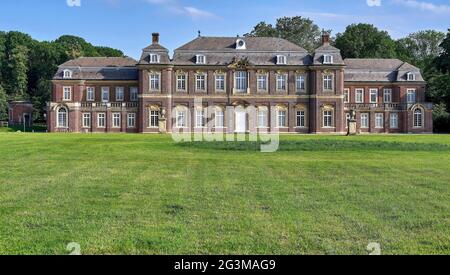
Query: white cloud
(374,3)
(192,12)
(73,3)
(425,6)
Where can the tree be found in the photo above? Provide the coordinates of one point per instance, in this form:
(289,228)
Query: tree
(298,30)
(18,69)
(110,52)
(443,61)
(365,41)
(3,104)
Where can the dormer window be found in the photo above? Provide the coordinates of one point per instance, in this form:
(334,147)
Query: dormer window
(281,60)
(240,44)
(154,58)
(200,59)
(411,76)
(67,74)
(327,59)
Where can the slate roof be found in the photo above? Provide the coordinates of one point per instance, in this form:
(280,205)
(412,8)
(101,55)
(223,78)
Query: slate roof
(379,70)
(156,49)
(100,68)
(330,50)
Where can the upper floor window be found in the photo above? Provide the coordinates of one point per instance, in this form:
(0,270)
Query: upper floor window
(67,93)
(262,82)
(120,94)
(281,82)
(373,95)
(281,60)
(181,82)
(327,59)
(411,96)
(200,82)
(134,94)
(200,59)
(300,83)
(154,58)
(154,81)
(359,95)
(220,83)
(241,81)
(105,94)
(411,76)
(346,95)
(387,96)
(328,82)
(90,94)
(67,74)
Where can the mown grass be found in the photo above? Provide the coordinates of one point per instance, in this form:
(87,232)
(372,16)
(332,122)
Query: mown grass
(139,194)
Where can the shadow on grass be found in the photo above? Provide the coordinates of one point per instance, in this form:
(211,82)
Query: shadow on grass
(320,145)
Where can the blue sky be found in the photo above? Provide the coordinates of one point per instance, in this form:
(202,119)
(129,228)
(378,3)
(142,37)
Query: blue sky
(128,24)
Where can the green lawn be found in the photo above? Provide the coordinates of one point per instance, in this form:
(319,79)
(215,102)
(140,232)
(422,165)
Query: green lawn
(144,194)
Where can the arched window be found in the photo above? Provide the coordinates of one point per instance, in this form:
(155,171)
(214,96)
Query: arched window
(418,118)
(62,117)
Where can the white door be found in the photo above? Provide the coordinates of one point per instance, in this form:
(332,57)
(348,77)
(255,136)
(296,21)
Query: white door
(241,121)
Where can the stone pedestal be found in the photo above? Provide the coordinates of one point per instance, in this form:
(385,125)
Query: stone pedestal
(351,127)
(162,126)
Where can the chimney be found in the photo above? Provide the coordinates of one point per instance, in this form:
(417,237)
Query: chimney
(155,38)
(325,38)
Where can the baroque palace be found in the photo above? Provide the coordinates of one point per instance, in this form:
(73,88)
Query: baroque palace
(211,83)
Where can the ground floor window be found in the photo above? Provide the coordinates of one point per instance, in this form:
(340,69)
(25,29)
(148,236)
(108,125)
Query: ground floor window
(281,118)
(300,118)
(327,118)
(181,120)
(200,118)
(131,120)
(364,120)
(62,117)
(379,120)
(116,120)
(418,118)
(154,118)
(393,120)
(101,120)
(262,117)
(219,118)
(86,120)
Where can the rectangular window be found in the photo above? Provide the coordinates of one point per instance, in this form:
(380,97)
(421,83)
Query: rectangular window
(387,95)
(154,82)
(301,119)
(262,82)
(327,59)
(220,83)
(131,120)
(101,120)
(86,120)
(281,118)
(154,58)
(393,120)
(300,85)
(181,82)
(364,120)
(120,93)
(359,95)
(105,94)
(346,95)
(411,96)
(134,94)
(90,94)
(219,118)
(328,82)
(373,95)
(181,118)
(116,120)
(327,118)
(379,120)
(262,118)
(281,82)
(240,81)
(67,93)
(200,82)
(200,118)
(154,119)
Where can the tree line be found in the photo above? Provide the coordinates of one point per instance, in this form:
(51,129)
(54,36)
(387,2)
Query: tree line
(27,66)
(428,50)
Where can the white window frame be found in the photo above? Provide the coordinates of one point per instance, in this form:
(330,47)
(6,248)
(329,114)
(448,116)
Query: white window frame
(154,82)
(365,120)
(101,117)
(64,119)
(359,92)
(105,91)
(281,82)
(201,79)
(328,79)
(120,94)
(379,120)
(282,118)
(300,83)
(153,118)
(373,92)
(262,82)
(116,117)
(67,74)
(200,59)
(346,95)
(300,118)
(281,60)
(200,118)
(393,120)
(411,96)
(67,93)
(134,94)
(131,120)
(220,81)
(327,116)
(387,95)
(327,59)
(182,80)
(219,118)
(263,118)
(181,118)
(86,120)
(90,94)
(411,76)
(154,58)
(418,123)
(241,81)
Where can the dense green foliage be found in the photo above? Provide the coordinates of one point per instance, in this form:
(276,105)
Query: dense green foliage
(139,194)
(28,65)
